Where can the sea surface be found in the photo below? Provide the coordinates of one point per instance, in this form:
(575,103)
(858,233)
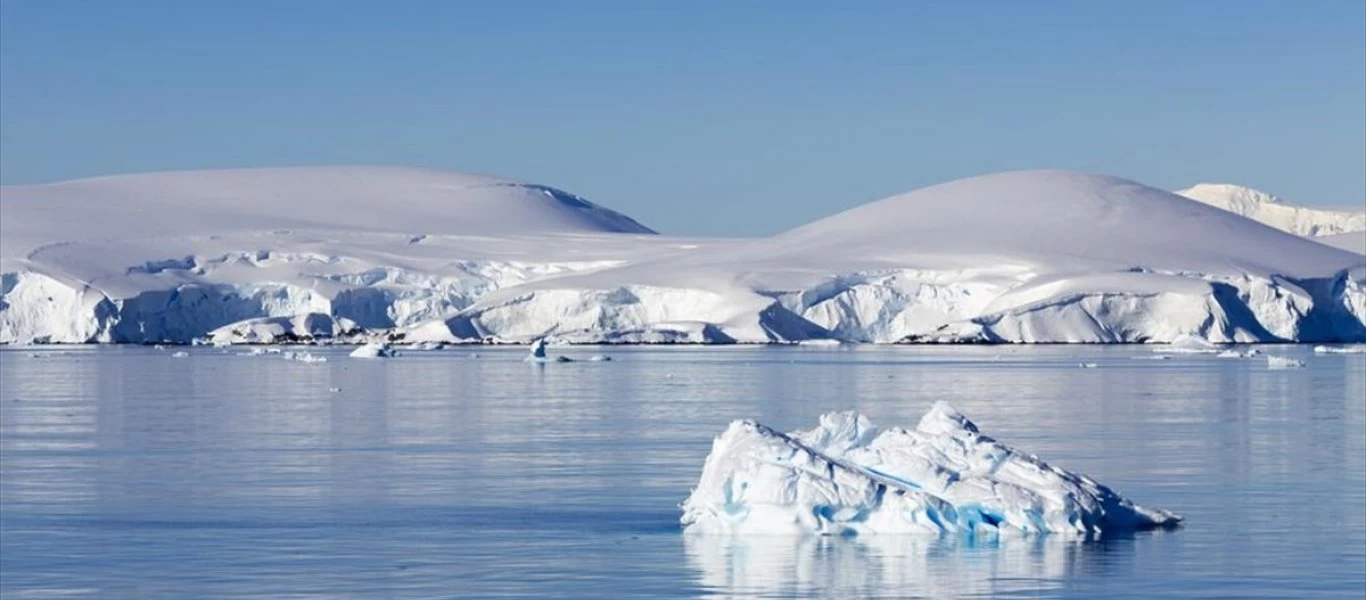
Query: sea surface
(126,472)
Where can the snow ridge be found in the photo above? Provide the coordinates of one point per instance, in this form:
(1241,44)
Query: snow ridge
(1272,210)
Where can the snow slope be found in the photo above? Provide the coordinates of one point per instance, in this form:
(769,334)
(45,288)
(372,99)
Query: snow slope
(1032,256)
(1271,210)
(1352,242)
(846,477)
(173,256)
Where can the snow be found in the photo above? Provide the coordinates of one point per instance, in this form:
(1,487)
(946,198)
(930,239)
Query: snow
(1351,242)
(308,254)
(846,477)
(1283,362)
(373,350)
(1271,210)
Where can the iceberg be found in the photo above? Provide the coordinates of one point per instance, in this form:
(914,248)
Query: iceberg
(1360,349)
(1283,362)
(845,477)
(304,357)
(537,354)
(373,350)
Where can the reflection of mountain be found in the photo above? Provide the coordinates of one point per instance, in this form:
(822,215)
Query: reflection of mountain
(895,566)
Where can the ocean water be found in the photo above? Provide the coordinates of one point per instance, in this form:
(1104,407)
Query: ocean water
(127,473)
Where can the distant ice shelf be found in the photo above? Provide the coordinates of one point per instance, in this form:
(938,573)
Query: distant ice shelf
(321,254)
(846,477)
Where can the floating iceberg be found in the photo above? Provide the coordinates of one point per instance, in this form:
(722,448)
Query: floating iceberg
(373,350)
(1340,349)
(845,477)
(538,355)
(1283,362)
(305,357)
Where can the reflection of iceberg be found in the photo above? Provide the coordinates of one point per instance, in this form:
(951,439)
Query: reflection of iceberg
(906,566)
(845,477)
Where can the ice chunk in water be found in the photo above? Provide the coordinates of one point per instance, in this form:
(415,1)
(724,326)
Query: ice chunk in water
(846,477)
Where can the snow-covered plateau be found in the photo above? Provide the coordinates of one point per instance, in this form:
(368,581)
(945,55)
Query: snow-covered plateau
(406,255)
(847,478)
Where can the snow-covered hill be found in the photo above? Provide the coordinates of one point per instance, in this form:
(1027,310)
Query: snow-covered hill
(1354,241)
(1271,210)
(1035,256)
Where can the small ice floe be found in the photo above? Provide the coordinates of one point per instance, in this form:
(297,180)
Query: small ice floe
(306,357)
(1249,353)
(846,477)
(426,346)
(1283,362)
(334,389)
(825,342)
(1340,349)
(159,347)
(373,350)
(1188,344)
(1087,365)
(599,358)
(179,354)
(1153,357)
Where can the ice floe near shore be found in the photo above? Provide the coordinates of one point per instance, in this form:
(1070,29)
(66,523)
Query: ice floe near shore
(1358,349)
(845,477)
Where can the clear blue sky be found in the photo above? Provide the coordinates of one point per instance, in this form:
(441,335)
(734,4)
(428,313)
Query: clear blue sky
(720,118)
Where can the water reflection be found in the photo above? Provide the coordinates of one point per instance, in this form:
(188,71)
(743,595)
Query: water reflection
(898,566)
(437,475)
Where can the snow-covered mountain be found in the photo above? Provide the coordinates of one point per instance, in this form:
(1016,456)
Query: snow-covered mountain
(1034,256)
(1271,210)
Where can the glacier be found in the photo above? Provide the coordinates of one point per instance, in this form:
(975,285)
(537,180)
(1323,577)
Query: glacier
(400,255)
(846,477)
(1276,212)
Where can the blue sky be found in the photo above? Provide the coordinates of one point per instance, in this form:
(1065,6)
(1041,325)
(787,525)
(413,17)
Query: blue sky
(716,118)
